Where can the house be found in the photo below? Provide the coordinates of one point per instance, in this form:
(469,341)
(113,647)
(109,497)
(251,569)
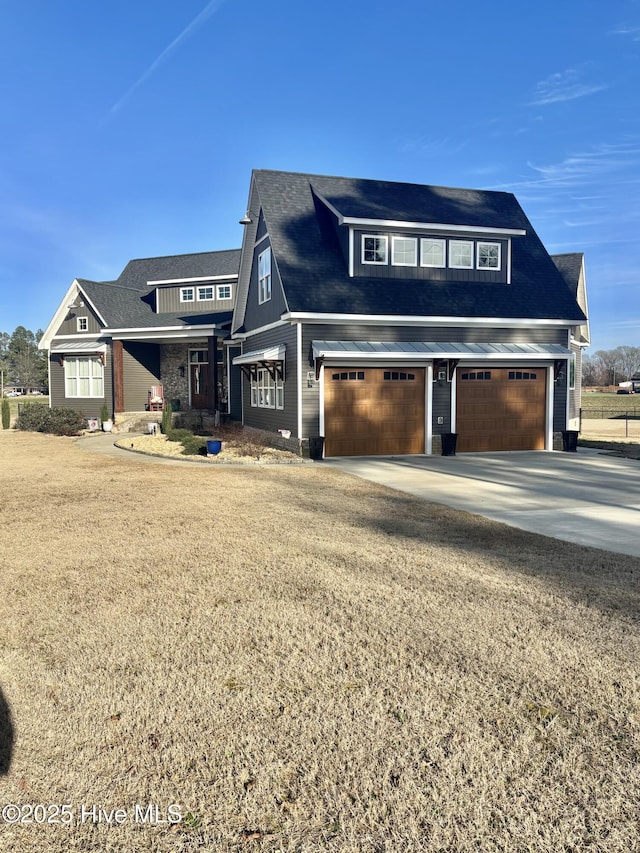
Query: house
(360,317)
(163,321)
(379,317)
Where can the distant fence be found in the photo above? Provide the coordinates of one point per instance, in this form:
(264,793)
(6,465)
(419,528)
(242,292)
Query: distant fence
(610,423)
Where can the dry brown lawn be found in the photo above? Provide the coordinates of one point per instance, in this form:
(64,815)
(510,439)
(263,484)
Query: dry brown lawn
(302,661)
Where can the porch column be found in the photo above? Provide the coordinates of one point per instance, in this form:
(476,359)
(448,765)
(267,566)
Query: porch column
(212,393)
(118,376)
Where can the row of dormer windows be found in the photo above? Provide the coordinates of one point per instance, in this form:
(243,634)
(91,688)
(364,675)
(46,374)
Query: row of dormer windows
(433,252)
(202,293)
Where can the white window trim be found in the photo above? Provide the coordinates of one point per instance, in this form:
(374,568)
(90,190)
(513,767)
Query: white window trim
(205,298)
(413,240)
(385,241)
(488,243)
(453,243)
(265,280)
(443,243)
(184,290)
(80,321)
(267,393)
(220,288)
(94,393)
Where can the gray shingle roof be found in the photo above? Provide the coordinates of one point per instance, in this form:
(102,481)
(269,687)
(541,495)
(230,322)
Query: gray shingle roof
(315,278)
(128,301)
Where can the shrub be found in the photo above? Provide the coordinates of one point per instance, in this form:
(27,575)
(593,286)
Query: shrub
(165,425)
(178,434)
(6,414)
(194,446)
(104,413)
(34,417)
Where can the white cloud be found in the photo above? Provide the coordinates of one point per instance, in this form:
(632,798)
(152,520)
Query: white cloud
(564,86)
(624,30)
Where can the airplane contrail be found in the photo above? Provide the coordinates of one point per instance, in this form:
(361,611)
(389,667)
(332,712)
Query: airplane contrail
(209,9)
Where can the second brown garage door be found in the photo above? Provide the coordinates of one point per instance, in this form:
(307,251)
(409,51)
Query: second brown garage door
(501,409)
(373,411)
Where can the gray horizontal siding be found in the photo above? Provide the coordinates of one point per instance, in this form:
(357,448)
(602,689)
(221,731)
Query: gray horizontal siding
(89,407)
(141,368)
(335,332)
(274,419)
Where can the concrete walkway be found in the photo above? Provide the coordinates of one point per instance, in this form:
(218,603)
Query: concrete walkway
(585,497)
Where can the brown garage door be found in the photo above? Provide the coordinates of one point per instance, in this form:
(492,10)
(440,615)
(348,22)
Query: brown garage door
(501,409)
(373,411)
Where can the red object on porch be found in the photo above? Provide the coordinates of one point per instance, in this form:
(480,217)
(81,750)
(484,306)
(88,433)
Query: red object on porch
(156,399)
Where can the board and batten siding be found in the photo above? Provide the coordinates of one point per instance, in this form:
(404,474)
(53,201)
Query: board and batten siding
(395,271)
(69,325)
(257,314)
(87,406)
(168,298)
(274,419)
(141,369)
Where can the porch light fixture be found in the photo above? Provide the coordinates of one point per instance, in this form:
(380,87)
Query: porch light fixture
(247,218)
(181,371)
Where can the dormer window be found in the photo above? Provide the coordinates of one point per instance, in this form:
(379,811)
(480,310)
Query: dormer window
(432,253)
(187,294)
(82,324)
(488,256)
(224,291)
(404,251)
(374,249)
(205,293)
(461,254)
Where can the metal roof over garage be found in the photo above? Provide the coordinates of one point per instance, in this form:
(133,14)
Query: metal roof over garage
(436,349)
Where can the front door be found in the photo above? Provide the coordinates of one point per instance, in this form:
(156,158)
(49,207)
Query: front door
(199,377)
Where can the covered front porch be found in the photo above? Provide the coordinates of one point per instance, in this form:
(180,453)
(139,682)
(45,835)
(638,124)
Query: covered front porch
(185,374)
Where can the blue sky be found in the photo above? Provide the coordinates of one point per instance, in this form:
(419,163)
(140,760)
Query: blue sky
(129,129)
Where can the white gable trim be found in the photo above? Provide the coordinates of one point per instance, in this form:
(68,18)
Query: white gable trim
(70,296)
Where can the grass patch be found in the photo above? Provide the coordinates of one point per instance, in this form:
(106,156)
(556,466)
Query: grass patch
(626,449)
(304,661)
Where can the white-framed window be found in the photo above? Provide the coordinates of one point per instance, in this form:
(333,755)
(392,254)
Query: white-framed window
(461,254)
(264,276)
(404,251)
(205,292)
(267,392)
(224,291)
(82,324)
(432,252)
(187,294)
(83,376)
(374,249)
(489,256)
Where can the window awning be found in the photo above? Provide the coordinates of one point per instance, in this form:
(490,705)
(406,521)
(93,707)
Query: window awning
(80,346)
(390,350)
(271,358)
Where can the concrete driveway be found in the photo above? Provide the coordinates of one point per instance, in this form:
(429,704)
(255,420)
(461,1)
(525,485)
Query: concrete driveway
(585,497)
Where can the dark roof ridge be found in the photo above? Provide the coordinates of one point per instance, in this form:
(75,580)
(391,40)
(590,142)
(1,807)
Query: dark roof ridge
(380,181)
(182,255)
